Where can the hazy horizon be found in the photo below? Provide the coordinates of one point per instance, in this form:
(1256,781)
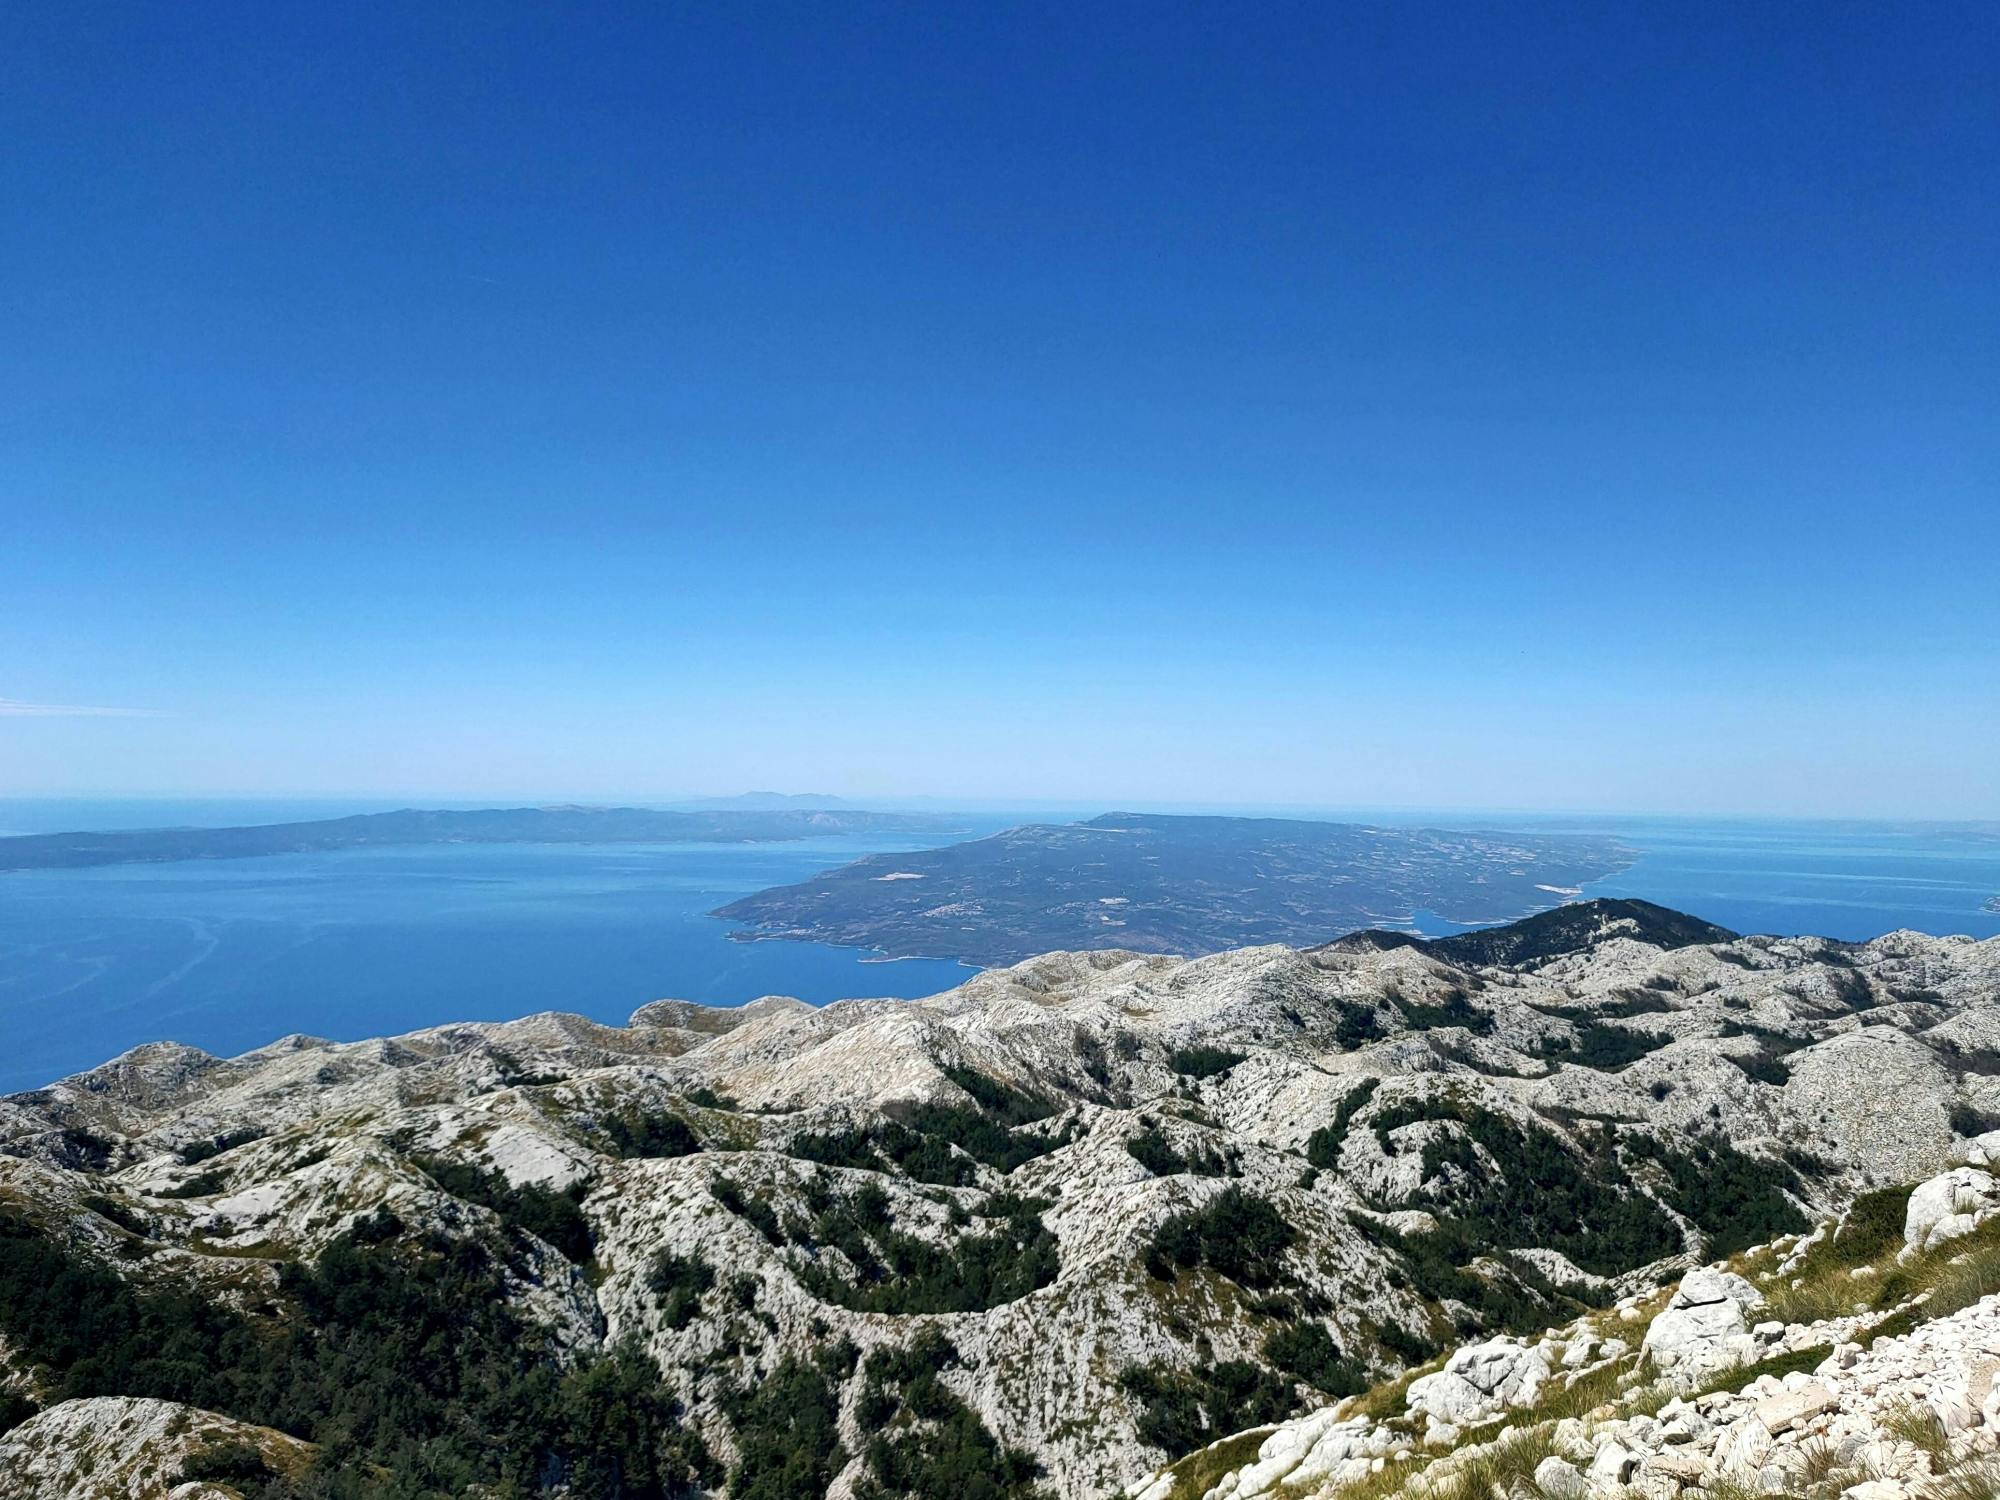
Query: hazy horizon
(297,805)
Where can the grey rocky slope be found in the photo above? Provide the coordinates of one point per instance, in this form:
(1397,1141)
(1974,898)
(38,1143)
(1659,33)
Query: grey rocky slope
(1857,1361)
(1146,1202)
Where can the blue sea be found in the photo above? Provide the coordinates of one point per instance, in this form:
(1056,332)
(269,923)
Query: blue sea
(228,955)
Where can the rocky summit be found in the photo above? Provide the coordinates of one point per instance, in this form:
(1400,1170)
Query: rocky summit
(1582,1205)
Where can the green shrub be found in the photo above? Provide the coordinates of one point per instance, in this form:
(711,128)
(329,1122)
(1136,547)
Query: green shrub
(927,1442)
(1203,1061)
(679,1282)
(1151,1149)
(1181,1410)
(15,1409)
(1517,1300)
(635,1134)
(226,1463)
(1323,1145)
(1454,1010)
(1357,1025)
(1578,1200)
(1307,1350)
(1737,1200)
(1869,1230)
(201,1185)
(1009,1106)
(787,1434)
(760,1215)
(552,1217)
(896,1272)
(402,1359)
(201,1151)
(119,1214)
(1605,1048)
(1236,1233)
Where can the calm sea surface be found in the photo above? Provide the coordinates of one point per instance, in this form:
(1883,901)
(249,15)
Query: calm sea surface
(227,955)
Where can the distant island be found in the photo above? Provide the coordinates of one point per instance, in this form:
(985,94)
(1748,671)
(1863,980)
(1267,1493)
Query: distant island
(1169,884)
(496,825)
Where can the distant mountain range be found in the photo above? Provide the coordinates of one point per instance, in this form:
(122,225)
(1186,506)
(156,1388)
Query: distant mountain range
(770,801)
(498,825)
(1155,883)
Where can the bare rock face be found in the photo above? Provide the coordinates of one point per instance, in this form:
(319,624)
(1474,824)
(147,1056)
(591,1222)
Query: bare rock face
(1480,1381)
(1147,1202)
(1949,1205)
(118,1448)
(1706,1324)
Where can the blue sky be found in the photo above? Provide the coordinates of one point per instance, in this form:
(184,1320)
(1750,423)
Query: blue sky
(1484,406)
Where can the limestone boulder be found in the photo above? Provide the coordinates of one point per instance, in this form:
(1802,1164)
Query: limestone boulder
(1948,1205)
(1480,1380)
(1706,1325)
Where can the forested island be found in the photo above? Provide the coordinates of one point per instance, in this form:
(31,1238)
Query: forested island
(1170,884)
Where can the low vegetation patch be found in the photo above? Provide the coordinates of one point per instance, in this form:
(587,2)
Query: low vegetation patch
(1323,1145)
(1605,1048)
(755,1211)
(1152,1150)
(398,1355)
(1454,1010)
(1307,1352)
(1510,1297)
(636,1134)
(551,1216)
(201,1185)
(201,1151)
(1181,1410)
(1357,1025)
(892,1271)
(1203,1061)
(119,1214)
(1579,1201)
(925,1441)
(1236,1233)
(678,1282)
(787,1428)
(1737,1200)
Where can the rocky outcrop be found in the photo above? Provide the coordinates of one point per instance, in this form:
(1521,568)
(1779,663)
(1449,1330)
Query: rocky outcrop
(1706,1324)
(1887,1404)
(1481,1381)
(1949,1205)
(119,1448)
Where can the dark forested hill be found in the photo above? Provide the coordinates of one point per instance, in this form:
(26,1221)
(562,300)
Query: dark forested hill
(1167,884)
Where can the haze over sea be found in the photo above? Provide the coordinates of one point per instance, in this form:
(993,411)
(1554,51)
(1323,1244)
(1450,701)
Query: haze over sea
(228,955)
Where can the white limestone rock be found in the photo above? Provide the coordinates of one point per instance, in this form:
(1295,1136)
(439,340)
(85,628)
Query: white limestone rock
(1705,1325)
(1948,1205)
(1479,1381)
(124,1448)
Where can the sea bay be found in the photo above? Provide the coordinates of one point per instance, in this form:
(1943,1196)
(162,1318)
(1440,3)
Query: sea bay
(229,954)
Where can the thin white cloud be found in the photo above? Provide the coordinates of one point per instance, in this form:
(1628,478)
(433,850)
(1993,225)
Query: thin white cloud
(13,708)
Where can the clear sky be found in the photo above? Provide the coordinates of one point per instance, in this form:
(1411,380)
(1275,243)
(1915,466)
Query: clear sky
(1463,405)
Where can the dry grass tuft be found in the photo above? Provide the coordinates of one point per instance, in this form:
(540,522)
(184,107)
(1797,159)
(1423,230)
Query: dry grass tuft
(1916,1424)
(1497,1470)
(1966,1481)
